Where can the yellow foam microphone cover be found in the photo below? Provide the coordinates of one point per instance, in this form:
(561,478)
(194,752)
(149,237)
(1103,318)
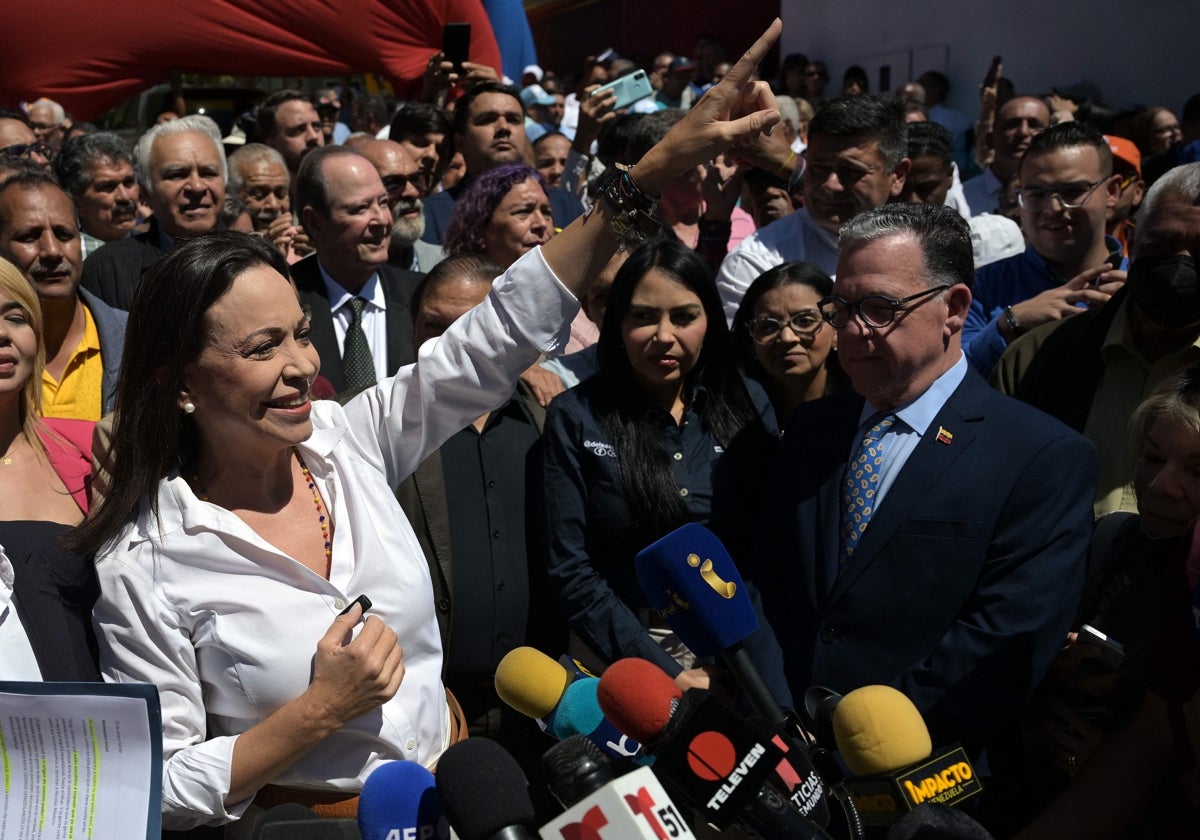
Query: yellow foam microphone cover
(531,682)
(878,730)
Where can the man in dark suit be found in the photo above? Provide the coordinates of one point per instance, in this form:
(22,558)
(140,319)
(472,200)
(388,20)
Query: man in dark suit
(359,304)
(182,171)
(948,560)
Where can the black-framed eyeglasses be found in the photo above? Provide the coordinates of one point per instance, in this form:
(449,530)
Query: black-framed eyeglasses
(24,150)
(876,311)
(397,184)
(1069,196)
(805,324)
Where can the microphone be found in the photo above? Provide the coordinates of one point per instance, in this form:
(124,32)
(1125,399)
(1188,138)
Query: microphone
(484,793)
(600,807)
(691,581)
(712,760)
(532,683)
(883,739)
(291,821)
(399,801)
(579,713)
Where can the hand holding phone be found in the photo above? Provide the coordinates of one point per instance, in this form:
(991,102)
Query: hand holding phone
(456,44)
(628,89)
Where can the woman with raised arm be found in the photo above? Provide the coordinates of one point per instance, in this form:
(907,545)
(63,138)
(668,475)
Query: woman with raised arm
(244,518)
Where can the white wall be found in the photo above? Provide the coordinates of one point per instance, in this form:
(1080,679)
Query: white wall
(1146,52)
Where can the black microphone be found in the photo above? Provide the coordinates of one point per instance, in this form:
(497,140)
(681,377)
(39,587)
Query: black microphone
(604,799)
(691,581)
(485,796)
(714,762)
(290,821)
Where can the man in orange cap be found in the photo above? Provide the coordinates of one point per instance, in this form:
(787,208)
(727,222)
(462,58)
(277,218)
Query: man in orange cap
(1127,162)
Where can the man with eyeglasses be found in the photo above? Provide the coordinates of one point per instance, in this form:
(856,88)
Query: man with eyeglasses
(359,305)
(921,531)
(1092,370)
(17,140)
(47,118)
(1066,190)
(406,183)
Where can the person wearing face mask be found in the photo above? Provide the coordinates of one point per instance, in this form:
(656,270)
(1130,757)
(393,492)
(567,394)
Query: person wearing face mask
(1093,369)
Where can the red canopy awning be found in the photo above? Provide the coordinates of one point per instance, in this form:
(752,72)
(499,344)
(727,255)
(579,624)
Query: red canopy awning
(89,56)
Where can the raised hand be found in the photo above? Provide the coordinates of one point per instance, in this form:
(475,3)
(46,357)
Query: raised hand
(732,113)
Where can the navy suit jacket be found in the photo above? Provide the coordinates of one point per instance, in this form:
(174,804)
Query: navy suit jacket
(398,287)
(965,583)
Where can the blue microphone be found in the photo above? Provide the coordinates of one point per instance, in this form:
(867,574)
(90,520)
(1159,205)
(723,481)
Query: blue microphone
(690,580)
(399,801)
(579,713)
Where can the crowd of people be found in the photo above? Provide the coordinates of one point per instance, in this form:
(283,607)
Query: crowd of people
(932,378)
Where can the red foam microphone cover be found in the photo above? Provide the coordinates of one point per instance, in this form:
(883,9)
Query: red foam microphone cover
(636,697)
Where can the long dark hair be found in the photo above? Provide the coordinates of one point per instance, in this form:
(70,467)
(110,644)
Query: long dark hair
(167,330)
(806,274)
(633,422)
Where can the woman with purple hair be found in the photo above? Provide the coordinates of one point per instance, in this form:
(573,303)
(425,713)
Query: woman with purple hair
(503,214)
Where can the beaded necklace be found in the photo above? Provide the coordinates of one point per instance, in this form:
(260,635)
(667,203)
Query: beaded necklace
(322,513)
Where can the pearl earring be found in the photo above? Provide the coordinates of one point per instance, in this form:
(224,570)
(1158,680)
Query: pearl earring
(189,407)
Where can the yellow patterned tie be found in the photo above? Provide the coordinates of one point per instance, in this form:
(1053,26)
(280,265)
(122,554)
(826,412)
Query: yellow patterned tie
(861,486)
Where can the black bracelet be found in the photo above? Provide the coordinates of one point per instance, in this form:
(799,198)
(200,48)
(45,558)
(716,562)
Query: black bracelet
(1011,320)
(633,210)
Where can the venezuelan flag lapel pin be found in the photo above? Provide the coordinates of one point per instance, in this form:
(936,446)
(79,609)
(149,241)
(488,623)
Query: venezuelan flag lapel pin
(944,436)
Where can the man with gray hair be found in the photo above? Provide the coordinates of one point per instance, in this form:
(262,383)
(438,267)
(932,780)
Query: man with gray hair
(96,170)
(1093,369)
(181,166)
(923,496)
(258,177)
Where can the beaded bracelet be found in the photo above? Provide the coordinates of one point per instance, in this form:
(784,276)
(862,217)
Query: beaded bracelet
(633,210)
(1011,320)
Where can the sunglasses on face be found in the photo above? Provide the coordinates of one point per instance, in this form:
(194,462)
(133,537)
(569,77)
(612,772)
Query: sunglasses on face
(24,150)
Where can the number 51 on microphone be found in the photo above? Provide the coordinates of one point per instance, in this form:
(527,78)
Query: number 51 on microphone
(630,807)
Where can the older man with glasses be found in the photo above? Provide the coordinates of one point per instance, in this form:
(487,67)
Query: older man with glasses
(17,140)
(406,183)
(921,531)
(1066,189)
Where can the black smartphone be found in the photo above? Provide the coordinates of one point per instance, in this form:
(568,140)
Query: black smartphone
(456,44)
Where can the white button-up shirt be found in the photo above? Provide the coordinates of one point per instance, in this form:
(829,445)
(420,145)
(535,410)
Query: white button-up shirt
(226,625)
(17,660)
